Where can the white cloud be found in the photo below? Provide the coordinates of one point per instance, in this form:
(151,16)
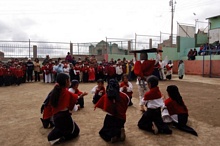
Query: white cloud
(93,20)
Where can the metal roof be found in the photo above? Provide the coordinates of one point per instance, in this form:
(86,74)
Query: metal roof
(213,17)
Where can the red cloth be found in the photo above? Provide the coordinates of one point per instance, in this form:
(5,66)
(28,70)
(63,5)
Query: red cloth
(119,106)
(2,70)
(168,67)
(19,73)
(77,68)
(85,69)
(67,100)
(111,71)
(174,108)
(122,84)
(13,70)
(100,68)
(8,72)
(91,74)
(78,92)
(144,69)
(154,93)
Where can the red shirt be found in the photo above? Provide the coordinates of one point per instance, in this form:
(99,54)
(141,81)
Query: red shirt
(122,84)
(174,108)
(154,93)
(144,69)
(66,100)
(120,106)
(19,73)
(2,70)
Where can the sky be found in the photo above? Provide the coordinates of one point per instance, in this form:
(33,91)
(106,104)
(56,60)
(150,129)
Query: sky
(94,20)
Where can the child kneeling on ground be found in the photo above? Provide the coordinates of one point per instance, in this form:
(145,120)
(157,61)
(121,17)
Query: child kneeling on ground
(151,120)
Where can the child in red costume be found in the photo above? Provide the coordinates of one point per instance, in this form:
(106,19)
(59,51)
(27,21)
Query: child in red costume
(115,103)
(178,110)
(151,120)
(98,91)
(19,75)
(61,102)
(126,87)
(74,89)
(142,70)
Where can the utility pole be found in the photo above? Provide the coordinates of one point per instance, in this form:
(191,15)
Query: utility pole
(172,15)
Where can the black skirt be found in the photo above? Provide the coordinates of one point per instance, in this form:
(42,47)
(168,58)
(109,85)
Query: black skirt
(111,128)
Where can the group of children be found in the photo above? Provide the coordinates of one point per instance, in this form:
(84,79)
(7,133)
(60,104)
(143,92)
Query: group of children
(115,99)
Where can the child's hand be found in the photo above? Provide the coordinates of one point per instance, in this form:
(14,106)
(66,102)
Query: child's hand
(85,93)
(164,97)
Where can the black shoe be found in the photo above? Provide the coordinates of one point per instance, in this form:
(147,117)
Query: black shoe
(45,122)
(51,124)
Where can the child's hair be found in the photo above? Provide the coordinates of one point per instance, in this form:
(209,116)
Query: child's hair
(112,89)
(100,81)
(174,94)
(123,76)
(73,83)
(55,93)
(153,80)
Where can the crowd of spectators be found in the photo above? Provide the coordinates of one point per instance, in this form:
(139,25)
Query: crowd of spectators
(206,49)
(15,71)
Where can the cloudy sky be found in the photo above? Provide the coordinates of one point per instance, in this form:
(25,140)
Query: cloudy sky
(94,20)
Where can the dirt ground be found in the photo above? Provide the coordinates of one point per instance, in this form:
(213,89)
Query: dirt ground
(20,123)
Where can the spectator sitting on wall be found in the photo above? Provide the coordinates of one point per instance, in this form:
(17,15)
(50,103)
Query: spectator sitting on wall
(201,52)
(190,55)
(194,54)
(218,49)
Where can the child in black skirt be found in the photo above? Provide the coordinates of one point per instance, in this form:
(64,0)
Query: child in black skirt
(151,120)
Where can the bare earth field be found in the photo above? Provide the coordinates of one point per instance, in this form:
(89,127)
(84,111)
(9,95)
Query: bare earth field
(20,123)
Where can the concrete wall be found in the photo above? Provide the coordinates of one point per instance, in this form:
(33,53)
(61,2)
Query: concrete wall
(201,39)
(171,53)
(185,43)
(195,67)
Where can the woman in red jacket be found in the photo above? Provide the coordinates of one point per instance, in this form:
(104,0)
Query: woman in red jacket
(62,102)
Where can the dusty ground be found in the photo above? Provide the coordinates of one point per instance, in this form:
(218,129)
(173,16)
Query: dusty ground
(20,116)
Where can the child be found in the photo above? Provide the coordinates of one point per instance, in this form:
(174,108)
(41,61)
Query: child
(62,102)
(151,119)
(178,110)
(18,75)
(126,87)
(98,91)
(74,89)
(115,103)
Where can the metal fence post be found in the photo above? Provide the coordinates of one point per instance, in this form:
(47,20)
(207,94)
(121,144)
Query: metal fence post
(29,48)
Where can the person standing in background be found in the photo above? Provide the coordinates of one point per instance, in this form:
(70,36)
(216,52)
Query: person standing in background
(181,69)
(37,70)
(30,68)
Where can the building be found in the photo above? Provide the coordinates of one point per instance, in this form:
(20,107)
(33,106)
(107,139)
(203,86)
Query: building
(214,29)
(107,48)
